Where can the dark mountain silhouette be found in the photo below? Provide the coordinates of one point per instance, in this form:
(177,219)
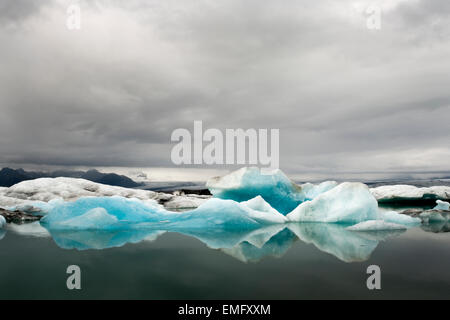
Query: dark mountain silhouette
(9,177)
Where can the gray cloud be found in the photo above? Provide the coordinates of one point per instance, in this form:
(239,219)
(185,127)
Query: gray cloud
(344,97)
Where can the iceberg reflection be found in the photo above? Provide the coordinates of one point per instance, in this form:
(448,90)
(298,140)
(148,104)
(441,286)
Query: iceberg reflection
(246,246)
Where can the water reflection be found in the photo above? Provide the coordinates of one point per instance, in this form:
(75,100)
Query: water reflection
(246,246)
(437,227)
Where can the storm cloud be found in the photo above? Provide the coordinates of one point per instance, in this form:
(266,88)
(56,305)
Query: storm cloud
(344,97)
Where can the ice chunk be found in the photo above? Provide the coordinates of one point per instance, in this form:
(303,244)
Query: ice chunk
(110,213)
(116,212)
(2,221)
(442,205)
(406,192)
(225,214)
(375,225)
(276,188)
(397,218)
(35,195)
(349,202)
(46,189)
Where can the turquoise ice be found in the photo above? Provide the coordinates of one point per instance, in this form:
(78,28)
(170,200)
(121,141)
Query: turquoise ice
(243,200)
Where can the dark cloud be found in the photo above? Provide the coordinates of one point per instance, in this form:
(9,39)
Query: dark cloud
(344,97)
(17,10)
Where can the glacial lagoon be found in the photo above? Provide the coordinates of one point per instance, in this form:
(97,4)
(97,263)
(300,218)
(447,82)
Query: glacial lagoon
(292,261)
(260,237)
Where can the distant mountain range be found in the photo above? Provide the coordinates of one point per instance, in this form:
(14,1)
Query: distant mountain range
(9,177)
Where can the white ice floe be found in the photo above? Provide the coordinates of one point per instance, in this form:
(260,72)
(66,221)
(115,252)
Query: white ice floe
(442,205)
(376,225)
(386,193)
(39,192)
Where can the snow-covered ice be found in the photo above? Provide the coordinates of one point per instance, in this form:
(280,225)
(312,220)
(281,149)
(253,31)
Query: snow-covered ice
(407,192)
(36,194)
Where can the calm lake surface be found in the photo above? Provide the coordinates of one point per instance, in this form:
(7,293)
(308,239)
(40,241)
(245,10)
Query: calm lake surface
(296,261)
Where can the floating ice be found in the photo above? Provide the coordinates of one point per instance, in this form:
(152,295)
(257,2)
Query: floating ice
(376,225)
(111,213)
(101,213)
(34,195)
(276,188)
(442,205)
(349,202)
(406,192)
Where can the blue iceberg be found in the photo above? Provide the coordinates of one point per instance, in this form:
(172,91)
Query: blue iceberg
(116,213)
(243,200)
(276,188)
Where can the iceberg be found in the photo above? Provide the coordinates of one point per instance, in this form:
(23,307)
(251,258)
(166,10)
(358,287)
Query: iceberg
(36,195)
(256,201)
(442,205)
(275,188)
(349,202)
(402,193)
(111,213)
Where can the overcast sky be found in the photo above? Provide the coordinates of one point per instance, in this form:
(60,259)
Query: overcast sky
(344,97)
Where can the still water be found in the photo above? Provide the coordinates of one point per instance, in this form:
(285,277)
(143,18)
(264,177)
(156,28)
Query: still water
(295,261)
